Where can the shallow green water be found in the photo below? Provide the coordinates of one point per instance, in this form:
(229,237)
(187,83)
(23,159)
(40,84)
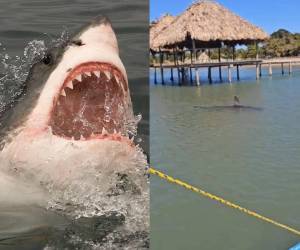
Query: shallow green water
(249,157)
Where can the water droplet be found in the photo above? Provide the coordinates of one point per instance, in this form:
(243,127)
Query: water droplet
(106,118)
(107,108)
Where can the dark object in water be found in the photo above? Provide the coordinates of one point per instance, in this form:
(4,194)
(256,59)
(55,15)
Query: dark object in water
(236,106)
(236,100)
(229,107)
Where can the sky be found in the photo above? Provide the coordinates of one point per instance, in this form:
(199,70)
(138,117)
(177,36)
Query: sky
(270,15)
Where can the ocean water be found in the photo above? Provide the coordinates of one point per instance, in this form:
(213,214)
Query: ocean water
(250,157)
(22,24)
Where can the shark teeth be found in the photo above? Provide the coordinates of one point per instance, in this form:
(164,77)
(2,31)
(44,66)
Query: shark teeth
(117,79)
(78,78)
(88,73)
(107,74)
(97,73)
(69,85)
(104,132)
(63,93)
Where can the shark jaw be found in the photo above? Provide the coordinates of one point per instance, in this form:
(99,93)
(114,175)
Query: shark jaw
(86,97)
(91,104)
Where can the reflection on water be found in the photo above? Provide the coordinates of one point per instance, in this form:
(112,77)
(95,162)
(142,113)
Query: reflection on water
(249,157)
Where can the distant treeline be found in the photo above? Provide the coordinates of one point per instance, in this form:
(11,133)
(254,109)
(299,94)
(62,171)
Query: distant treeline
(282,43)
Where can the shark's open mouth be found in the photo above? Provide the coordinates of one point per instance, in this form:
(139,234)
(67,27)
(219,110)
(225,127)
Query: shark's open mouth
(91,103)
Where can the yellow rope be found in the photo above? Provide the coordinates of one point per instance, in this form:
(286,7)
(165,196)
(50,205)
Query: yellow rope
(219,199)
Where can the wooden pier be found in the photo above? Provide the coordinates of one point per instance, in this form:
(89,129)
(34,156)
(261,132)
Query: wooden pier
(185,70)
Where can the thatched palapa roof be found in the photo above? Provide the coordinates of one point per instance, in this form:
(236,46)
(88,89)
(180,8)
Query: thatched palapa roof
(209,24)
(157,26)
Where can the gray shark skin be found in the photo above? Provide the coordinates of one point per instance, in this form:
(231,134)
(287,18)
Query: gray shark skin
(66,144)
(22,105)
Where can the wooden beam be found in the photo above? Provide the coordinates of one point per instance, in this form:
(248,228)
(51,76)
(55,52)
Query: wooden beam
(270,69)
(229,73)
(260,70)
(209,75)
(238,72)
(176,64)
(161,67)
(191,74)
(233,52)
(256,50)
(197,70)
(172,78)
(220,68)
(290,67)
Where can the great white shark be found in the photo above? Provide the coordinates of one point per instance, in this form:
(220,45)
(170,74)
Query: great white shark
(68,137)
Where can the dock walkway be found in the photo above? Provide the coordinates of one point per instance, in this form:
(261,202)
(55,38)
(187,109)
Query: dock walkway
(184,70)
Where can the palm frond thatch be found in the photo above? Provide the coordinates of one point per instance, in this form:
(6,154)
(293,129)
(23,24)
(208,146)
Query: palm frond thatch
(206,22)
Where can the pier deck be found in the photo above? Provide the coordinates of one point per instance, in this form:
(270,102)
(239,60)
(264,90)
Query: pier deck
(183,68)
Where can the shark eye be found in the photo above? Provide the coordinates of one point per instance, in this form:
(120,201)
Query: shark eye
(47,59)
(77,42)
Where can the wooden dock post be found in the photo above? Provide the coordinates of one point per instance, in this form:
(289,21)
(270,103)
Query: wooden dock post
(282,69)
(176,64)
(197,76)
(161,57)
(162,76)
(178,73)
(155,76)
(256,50)
(257,71)
(172,78)
(233,52)
(196,69)
(229,73)
(220,67)
(290,67)
(270,69)
(209,75)
(260,70)
(191,72)
(238,72)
